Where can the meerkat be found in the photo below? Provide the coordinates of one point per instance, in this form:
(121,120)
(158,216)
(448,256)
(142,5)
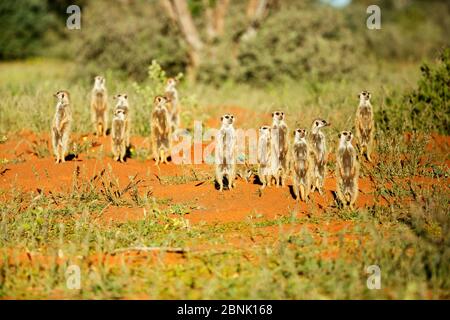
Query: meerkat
(318,154)
(122,103)
(264,156)
(225,152)
(61,126)
(118,135)
(171,94)
(160,130)
(347,170)
(301,165)
(99,106)
(280,147)
(364,124)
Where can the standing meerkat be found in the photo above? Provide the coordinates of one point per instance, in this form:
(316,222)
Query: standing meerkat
(347,170)
(364,124)
(160,130)
(171,94)
(61,125)
(301,165)
(99,106)
(225,152)
(118,135)
(280,147)
(122,104)
(318,153)
(264,156)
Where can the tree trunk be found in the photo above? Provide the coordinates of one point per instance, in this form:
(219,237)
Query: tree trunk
(178,11)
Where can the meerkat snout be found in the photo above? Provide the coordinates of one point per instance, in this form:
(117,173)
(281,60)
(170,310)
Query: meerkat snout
(299,134)
(278,115)
(227,119)
(320,123)
(160,101)
(364,95)
(345,136)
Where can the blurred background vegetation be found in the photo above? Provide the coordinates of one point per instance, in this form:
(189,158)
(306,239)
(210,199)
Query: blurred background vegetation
(254,41)
(257,44)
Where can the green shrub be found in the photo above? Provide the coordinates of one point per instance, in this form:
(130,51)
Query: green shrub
(127,36)
(22,24)
(427,107)
(294,41)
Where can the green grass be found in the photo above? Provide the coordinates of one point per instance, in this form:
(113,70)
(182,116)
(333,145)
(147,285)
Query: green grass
(41,235)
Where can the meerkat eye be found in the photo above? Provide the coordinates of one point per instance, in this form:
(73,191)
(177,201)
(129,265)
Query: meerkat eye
(317,123)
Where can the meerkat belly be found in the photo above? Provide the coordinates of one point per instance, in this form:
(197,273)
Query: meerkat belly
(347,162)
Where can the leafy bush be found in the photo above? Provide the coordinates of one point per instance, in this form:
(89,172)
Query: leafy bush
(22,24)
(295,41)
(427,107)
(128,37)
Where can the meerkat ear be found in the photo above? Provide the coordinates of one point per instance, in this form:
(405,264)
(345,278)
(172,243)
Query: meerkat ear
(221,118)
(339,135)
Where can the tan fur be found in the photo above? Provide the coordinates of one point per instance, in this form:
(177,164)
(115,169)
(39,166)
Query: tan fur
(301,165)
(161,130)
(225,152)
(61,126)
(365,125)
(118,136)
(347,170)
(122,104)
(280,148)
(319,154)
(173,105)
(99,106)
(264,156)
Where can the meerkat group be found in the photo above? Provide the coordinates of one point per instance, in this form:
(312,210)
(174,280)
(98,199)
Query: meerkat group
(165,121)
(306,160)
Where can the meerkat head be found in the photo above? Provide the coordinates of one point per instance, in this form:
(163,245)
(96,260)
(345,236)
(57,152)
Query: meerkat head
(319,124)
(119,113)
(62,96)
(299,135)
(159,101)
(277,116)
(122,99)
(99,82)
(227,120)
(364,96)
(345,137)
(264,131)
(171,84)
